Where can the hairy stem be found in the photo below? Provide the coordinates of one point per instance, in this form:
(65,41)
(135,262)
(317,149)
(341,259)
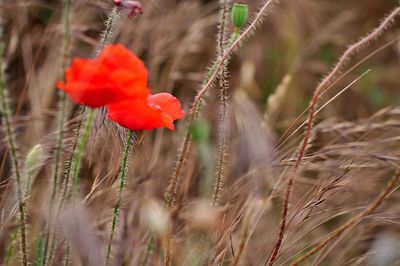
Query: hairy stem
(222,95)
(11,145)
(122,182)
(60,138)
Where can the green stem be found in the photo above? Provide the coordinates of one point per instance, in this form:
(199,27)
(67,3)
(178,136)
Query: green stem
(122,181)
(222,138)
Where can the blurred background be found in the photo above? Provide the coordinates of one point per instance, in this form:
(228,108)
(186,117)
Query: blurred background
(272,77)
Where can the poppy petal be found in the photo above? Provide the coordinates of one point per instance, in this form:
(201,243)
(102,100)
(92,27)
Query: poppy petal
(138,114)
(129,85)
(118,57)
(169,104)
(117,74)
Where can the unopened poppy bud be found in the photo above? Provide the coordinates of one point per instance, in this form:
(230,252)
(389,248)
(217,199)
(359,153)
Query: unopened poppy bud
(135,7)
(239,14)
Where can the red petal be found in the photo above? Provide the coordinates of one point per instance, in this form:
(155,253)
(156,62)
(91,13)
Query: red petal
(115,76)
(169,104)
(118,57)
(128,84)
(138,114)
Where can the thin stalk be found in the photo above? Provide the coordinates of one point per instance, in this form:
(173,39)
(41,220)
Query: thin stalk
(65,185)
(122,182)
(11,143)
(60,137)
(63,102)
(222,95)
(223,132)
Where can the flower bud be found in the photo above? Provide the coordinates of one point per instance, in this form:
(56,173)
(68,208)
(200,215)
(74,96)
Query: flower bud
(239,14)
(135,7)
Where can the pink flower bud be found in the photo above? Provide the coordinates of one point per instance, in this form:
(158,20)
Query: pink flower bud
(135,7)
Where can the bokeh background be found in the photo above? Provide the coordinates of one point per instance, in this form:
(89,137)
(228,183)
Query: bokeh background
(272,77)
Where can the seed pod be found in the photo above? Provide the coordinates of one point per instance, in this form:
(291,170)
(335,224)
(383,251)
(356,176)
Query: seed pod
(239,14)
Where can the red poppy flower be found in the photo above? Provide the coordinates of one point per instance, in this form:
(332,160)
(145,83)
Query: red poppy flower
(159,110)
(117,74)
(117,79)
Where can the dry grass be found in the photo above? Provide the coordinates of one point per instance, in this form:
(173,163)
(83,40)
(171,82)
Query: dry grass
(338,209)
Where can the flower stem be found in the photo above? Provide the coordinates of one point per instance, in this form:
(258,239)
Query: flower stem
(122,181)
(222,97)
(51,235)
